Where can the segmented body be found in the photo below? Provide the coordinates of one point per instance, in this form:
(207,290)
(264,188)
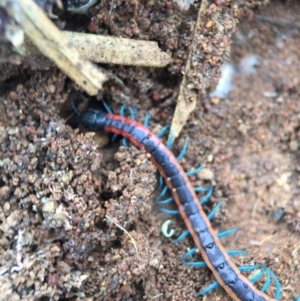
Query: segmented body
(205,238)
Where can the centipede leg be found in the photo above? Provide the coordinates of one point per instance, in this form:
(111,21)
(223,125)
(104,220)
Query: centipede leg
(183,151)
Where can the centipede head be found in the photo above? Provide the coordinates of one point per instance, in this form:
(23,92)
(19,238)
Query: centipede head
(93,120)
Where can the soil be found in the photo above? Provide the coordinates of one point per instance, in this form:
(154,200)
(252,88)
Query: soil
(78,219)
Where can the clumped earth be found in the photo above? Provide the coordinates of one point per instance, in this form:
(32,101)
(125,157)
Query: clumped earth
(78,221)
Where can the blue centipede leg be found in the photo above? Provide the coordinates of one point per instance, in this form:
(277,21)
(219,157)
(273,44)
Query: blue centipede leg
(198,264)
(214,211)
(208,289)
(249,268)
(227,232)
(146,120)
(207,196)
(195,171)
(169,211)
(125,143)
(189,253)
(236,252)
(202,189)
(298,298)
(162,193)
(267,282)
(257,275)
(183,151)
(160,182)
(170,140)
(208,189)
(183,235)
(106,107)
(122,109)
(277,285)
(162,131)
(132,114)
(166,201)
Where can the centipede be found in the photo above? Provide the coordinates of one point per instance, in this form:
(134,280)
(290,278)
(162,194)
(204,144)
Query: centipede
(226,273)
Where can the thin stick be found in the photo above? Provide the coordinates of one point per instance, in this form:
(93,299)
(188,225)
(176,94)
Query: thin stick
(123,229)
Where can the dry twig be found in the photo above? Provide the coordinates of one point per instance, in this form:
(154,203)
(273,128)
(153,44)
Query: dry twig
(187,98)
(113,50)
(208,50)
(108,218)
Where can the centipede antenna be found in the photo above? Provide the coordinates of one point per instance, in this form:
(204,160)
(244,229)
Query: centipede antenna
(74,107)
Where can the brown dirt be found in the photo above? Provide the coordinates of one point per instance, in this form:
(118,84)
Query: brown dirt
(62,215)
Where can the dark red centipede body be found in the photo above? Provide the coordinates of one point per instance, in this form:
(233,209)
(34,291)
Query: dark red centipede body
(205,238)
